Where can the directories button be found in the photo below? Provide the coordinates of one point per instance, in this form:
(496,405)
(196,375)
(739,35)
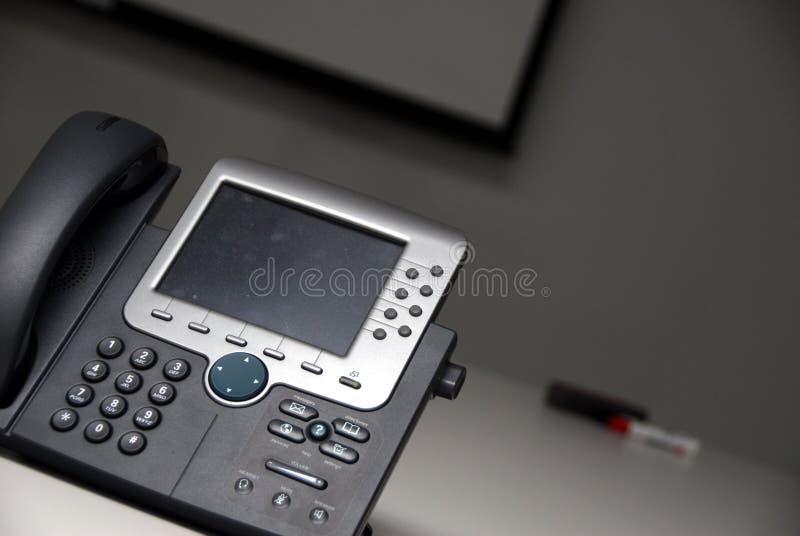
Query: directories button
(238,376)
(351,430)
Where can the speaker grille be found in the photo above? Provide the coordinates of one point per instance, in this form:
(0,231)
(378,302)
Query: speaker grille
(75,265)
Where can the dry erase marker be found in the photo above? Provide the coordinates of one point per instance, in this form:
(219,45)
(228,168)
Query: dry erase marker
(676,443)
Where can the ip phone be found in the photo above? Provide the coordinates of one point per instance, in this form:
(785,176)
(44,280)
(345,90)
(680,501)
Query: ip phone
(256,370)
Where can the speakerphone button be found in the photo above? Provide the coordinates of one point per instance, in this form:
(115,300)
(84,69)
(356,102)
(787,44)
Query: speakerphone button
(238,376)
(298,410)
(318,516)
(426,290)
(80,395)
(286,430)
(64,419)
(143,358)
(340,452)
(176,369)
(110,347)
(94,371)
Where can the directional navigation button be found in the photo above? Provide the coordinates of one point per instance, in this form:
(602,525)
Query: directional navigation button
(237,377)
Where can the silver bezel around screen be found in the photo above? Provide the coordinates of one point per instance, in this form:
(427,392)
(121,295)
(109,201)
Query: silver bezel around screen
(376,364)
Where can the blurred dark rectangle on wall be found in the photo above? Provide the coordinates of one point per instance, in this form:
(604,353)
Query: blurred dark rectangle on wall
(464,65)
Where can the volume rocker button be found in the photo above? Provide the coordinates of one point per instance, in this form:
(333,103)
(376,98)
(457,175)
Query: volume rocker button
(296,474)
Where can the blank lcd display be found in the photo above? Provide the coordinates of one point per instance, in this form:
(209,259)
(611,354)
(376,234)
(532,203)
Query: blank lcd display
(282,268)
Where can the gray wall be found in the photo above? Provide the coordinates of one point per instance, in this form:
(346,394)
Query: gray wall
(653,190)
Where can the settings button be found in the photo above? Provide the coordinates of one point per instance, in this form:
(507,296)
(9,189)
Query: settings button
(339,451)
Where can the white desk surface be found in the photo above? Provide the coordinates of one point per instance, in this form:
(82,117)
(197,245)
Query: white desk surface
(496,461)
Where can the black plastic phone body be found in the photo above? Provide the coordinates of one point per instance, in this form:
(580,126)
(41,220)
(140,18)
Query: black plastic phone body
(197,454)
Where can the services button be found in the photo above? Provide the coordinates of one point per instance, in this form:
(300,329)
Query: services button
(286,430)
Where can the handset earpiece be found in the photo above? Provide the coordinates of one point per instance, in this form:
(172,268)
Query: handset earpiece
(91,155)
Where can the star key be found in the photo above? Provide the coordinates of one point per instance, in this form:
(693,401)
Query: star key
(64,419)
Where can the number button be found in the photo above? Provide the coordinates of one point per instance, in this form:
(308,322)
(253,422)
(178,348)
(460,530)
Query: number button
(95,371)
(132,443)
(80,395)
(162,393)
(110,347)
(176,369)
(128,382)
(113,406)
(64,419)
(97,431)
(147,418)
(143,358)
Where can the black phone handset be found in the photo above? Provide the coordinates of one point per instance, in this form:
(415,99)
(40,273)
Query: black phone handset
(92,155)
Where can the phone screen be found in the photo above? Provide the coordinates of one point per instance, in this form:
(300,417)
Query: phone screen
(282,268)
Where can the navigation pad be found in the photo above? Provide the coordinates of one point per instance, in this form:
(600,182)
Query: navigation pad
(237,377)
